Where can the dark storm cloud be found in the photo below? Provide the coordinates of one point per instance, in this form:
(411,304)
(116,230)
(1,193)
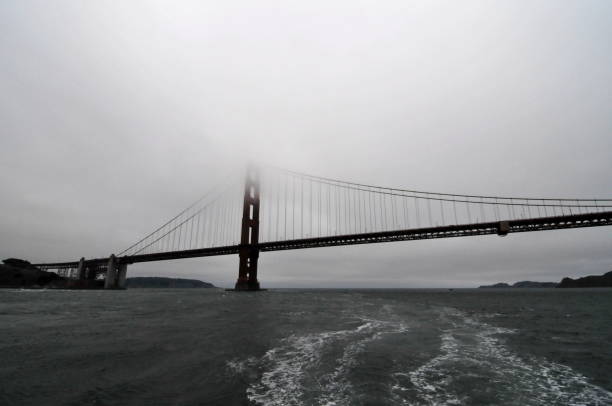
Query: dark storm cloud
(114,116)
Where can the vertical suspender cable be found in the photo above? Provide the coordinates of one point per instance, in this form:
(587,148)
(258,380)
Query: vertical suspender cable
(431,224)
(278,190)
(212,225)
(319,208)
(497,211)
(393,218)
(293,207)
(328,209)
(180,232)
(311,211)
(223,224)
(347,208)
(209,222)
(338,218)
(384,200)
(191,233)
(198,231)
(418,214)
(358,213)
(382,221)
(406,218)
(579,207)
(372,218)
(173,232)
(285,211)
(528,208)
(482,211)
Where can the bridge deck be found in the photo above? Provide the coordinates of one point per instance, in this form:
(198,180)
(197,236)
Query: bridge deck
(461,230)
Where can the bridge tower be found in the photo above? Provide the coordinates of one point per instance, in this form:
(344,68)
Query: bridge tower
(249,237)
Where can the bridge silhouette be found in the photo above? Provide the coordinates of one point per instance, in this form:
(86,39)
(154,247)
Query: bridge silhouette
(274,209)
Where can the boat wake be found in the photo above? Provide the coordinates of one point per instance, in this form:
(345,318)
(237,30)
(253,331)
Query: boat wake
(471,366)
(475,367)
(314,368)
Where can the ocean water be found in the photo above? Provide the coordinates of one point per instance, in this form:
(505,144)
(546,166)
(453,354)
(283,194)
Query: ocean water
(306,347)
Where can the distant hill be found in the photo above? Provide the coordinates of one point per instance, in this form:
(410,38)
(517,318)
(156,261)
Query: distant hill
(497,285)
(521,284)
(159,282)
(592,281)
(530,284)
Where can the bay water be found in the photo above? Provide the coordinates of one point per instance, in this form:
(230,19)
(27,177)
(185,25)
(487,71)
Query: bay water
(306,347)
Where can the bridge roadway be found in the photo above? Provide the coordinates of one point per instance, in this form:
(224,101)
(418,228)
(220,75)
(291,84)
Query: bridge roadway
(461,230)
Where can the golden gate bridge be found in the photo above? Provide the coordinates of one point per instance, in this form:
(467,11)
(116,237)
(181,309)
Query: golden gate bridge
(274,209)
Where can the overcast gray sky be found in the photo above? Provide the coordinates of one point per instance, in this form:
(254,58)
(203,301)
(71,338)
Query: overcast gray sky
(116,115)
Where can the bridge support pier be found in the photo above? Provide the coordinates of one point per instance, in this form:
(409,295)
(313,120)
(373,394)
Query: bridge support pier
(122,276)
(81,270)
(111,273)
(91,271)
(116,274)
(249,239)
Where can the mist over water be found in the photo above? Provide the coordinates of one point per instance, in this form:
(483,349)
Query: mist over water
(306,347)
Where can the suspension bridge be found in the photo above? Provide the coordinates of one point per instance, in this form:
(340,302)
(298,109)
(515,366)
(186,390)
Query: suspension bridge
(274,209)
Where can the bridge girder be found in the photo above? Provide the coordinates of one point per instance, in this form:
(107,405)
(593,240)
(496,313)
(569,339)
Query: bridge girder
(461,230)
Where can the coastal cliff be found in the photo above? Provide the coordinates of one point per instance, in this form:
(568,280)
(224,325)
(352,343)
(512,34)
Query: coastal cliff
(591,281)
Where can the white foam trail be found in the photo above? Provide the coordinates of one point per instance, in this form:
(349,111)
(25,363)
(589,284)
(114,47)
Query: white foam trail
(239,367)
(472,347)
(430,380)
(291,369)
(338,390)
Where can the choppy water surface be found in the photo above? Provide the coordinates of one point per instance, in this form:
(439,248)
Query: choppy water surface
(306,347)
